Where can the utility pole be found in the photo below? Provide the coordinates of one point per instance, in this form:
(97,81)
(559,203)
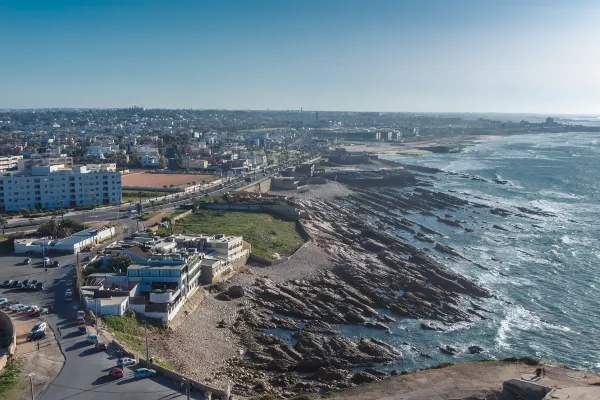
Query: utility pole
(31,375)
(147,352)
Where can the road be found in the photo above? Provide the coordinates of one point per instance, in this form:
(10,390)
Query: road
(85,374)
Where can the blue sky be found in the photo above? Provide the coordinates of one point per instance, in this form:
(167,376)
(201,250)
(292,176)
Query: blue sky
(372,55)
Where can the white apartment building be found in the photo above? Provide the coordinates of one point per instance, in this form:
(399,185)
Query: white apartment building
(9,162)
(54,186)
(35,160)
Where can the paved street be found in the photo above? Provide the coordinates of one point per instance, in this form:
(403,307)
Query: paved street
(85,375)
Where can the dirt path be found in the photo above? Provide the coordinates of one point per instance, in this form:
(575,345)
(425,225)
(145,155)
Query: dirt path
(468,380)
(45,362)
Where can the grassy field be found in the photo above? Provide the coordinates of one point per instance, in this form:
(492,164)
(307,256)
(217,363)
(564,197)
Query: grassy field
(134,195)
(266,233)
(129,330)
(11,380)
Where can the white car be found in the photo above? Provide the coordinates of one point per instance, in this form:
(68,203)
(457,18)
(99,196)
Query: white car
(3,300)
(40,326)
(46,260)
(20,307)
(122,362)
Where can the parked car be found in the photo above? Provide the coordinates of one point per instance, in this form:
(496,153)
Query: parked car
(122,362)
(81,314)
(144,373)
(82,329)
(6,283)
(20,307)
(33,311)
(56,264)
(40,326)
(45,261)
(92,338)
(68,297)
(27,261)
(25,282)
(3,300)
(33,282)
(14,284)
(100,347)
(20,285)
(12,304)
(69,283)
(80,321)
(36,335)
(40,286)
(116,373)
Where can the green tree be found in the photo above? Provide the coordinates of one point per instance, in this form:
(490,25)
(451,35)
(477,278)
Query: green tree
(119,263)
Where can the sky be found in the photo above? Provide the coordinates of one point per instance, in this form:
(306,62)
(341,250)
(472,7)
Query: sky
(530,56)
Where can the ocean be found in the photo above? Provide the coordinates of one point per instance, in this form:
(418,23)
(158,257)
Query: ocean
(542,269)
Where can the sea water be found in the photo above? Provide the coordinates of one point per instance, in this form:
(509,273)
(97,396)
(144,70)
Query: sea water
(543,270)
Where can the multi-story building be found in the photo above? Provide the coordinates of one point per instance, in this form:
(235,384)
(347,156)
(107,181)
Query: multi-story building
(10,162)
(54,186)
(35,160)
(188,162)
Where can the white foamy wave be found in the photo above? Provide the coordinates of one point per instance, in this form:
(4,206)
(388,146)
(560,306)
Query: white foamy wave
(518,318)
(567,240)
(559,195)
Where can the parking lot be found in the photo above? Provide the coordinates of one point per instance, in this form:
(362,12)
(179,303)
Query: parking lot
(12,267)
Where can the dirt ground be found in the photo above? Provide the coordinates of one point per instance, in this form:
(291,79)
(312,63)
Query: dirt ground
(159,180)
(463,380)
(46,363)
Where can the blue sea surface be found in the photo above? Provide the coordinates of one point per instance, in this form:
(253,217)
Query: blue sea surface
(543,269)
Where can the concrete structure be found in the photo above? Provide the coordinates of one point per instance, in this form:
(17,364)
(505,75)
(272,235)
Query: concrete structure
(36,160)
(193,163)
(107,167)
(285,183)
(54,186)
(9,162)
(70,245)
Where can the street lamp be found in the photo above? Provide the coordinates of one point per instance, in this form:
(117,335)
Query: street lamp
(31,375)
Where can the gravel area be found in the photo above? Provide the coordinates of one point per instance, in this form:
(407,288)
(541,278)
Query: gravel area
(307,261)
(314,192)
(198,348)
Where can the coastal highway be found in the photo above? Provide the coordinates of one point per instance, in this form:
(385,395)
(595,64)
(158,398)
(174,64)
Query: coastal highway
(110,213)
(113,213)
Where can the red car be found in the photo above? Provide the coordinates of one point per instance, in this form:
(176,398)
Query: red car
(116,373)
(80,321)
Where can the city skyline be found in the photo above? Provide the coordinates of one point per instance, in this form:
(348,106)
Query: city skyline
(386,56)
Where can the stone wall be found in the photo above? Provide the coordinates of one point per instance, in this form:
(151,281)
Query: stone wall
(182,215)
(260,186)
(287,212)
(8,349)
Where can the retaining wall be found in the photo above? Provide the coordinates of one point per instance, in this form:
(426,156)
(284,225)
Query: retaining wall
(287,212)
(260,186)
(7,326)
(182,215)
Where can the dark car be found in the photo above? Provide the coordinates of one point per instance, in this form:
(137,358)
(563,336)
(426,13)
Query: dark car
(56,264)
(33,282)
(25,282)
(36,335)
(100,346)
(40,286)
(15,284)
(6,283)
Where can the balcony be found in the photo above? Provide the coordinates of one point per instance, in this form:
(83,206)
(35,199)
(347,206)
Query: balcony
(163,296)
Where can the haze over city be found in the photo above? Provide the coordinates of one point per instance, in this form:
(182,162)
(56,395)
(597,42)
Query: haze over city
(438,56)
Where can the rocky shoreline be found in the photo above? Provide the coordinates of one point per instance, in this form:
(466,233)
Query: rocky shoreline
(289,328)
